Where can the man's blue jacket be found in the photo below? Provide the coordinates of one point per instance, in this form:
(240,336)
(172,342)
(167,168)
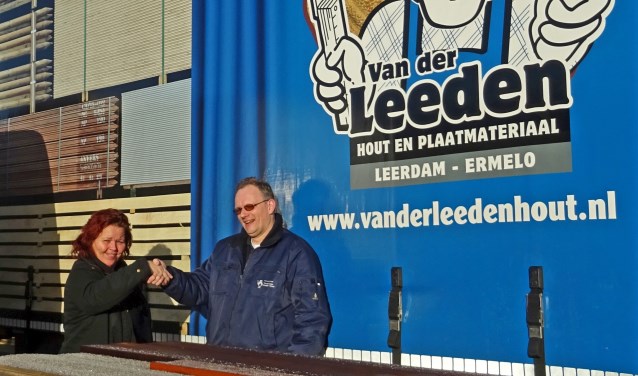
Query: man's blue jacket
(278,302)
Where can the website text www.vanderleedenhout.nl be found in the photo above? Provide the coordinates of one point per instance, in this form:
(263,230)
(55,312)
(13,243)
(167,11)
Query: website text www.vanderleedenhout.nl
(517,210)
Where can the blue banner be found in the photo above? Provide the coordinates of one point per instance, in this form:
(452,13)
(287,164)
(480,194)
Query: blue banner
(463,143)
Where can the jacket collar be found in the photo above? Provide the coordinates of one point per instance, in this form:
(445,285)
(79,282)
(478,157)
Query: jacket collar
(273,236)
(92,259)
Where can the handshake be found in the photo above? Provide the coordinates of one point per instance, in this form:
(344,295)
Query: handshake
(160,276)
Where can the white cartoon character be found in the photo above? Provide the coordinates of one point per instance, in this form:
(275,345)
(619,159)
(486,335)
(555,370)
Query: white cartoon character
(532,31)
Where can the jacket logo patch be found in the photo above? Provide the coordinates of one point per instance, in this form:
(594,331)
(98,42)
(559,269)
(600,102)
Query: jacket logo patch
(265,283)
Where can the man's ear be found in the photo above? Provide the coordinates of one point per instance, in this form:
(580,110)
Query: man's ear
(272,205)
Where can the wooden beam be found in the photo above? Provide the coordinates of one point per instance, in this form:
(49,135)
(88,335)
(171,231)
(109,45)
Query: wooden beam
(138,249)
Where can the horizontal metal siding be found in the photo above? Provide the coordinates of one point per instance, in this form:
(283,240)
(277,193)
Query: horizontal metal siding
(123,42)
(156,134)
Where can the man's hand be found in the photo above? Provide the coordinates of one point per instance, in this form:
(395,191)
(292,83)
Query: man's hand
(160,276)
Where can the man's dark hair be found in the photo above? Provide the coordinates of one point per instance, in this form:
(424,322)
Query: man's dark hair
(262,185)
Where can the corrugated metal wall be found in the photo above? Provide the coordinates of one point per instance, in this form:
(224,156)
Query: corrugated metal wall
(161,114)
(125,41)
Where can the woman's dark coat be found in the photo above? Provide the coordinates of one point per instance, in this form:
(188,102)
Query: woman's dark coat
(106,305)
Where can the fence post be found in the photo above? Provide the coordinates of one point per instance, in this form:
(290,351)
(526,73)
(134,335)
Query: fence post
(535,320)
(395,310)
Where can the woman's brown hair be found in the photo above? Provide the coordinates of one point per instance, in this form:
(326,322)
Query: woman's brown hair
(83,244)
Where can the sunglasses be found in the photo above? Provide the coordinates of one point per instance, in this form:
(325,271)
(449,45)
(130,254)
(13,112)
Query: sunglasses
(248,207)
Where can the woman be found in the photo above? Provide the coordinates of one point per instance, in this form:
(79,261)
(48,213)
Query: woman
(104,299)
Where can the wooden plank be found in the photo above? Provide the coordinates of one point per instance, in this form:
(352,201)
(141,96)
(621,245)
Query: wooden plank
(43,65)
(60,149)
(55,275)
(160,218)
(57,292)
(68,132)
(172,248)
(21,263)
(23,99)
(20,30)
(22,50)
(161,249)
(39,223)
(48,278)
(34,237)
(181,217)
(41,36)
(259,362)
(52,181)
(51,170)
(46,159)
(21,224)
(16,290)
(136,219)
(66,264)
(160,297)
(33,250)
(35,150)
(40,279)
(50,121)
(47,306)
(143,234)
(43,87)
(13,277)
(55,132)
(9,303)
(16,371)
(89,184)
(18,302)
(21,81)
(187,367)
(176,315)
(81,110)
(139,234)
(165,233)
(48,292)
(180,315)
(53,219)
(41,14)
(125,204)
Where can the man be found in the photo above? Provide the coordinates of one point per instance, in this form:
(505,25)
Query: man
(262,288)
